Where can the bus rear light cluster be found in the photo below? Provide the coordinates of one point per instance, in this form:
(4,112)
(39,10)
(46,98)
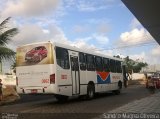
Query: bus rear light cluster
(52,79)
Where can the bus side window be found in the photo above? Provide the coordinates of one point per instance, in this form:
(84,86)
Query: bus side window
(62,57)
(112,65)
(116,67)
(99,65)
(106,65)
(119,68)
(82,61)
(90,62)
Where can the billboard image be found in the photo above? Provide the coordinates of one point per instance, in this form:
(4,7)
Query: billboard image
(34,54)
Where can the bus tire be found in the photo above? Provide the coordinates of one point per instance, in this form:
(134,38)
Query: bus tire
(90,91)
(118,91)
(120,84)
(61,98)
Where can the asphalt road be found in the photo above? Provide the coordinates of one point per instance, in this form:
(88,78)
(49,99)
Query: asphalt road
(40,106)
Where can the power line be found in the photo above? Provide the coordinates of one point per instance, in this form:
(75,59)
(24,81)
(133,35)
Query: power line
(138,44)
(134,45)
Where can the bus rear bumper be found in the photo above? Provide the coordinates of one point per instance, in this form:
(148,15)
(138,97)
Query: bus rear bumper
(35,90)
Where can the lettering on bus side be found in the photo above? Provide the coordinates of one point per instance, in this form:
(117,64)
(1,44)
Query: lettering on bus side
(45,80)
(115,77)
(63,76)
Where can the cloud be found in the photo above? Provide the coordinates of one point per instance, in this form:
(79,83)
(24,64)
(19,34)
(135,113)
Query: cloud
(29,7)
(145,57)
(138,57)
(29,33)
(83,44)
(57,35)
(101,39)
(156,51)
(153,55)
(139,36)
(135,36)
(89,5)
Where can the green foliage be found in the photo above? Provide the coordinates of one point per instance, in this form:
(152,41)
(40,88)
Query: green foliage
(117,56)
(5,36)
(6,53)
(134,65)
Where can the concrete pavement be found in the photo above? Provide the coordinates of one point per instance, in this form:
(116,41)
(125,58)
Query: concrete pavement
(149,104)
(145,108)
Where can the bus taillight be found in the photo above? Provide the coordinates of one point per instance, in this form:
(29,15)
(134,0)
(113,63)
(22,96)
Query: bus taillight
(52,79)
(17,81)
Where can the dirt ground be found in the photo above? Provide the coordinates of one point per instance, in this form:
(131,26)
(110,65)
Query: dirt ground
(9,95)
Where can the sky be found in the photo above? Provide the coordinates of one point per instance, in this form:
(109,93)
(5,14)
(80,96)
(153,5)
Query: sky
(103,26)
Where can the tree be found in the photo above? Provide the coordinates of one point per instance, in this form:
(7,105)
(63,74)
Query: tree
(5,36)
(138,66)
(134,66)
(117,56)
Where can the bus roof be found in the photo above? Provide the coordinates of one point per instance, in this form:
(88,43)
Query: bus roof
(73,48)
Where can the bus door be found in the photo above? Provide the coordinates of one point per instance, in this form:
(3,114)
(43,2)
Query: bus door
(75,75)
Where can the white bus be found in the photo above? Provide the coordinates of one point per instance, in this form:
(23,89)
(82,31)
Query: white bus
(53,68)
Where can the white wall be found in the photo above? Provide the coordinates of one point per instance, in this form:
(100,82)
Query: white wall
(8,79)
(136,76)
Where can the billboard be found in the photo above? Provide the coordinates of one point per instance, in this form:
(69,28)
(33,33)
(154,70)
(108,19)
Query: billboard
(34,54)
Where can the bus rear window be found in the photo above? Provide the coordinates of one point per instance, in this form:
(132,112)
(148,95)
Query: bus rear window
(62,58)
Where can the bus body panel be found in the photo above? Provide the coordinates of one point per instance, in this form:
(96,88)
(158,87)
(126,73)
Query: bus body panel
(91,76)
(108,81)
(64,83)
(83,82)
(35,66)
(34,75)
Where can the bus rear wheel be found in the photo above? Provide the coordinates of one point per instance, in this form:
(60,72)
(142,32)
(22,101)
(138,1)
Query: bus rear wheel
(118,91)
(90,91)
(61,98)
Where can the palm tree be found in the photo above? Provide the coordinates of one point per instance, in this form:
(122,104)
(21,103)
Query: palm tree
(5,36)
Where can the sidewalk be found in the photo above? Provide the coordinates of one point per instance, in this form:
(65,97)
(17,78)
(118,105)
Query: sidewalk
(148,105)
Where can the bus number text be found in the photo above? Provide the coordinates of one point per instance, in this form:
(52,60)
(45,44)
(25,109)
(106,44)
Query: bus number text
(45,80)
(63,76)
